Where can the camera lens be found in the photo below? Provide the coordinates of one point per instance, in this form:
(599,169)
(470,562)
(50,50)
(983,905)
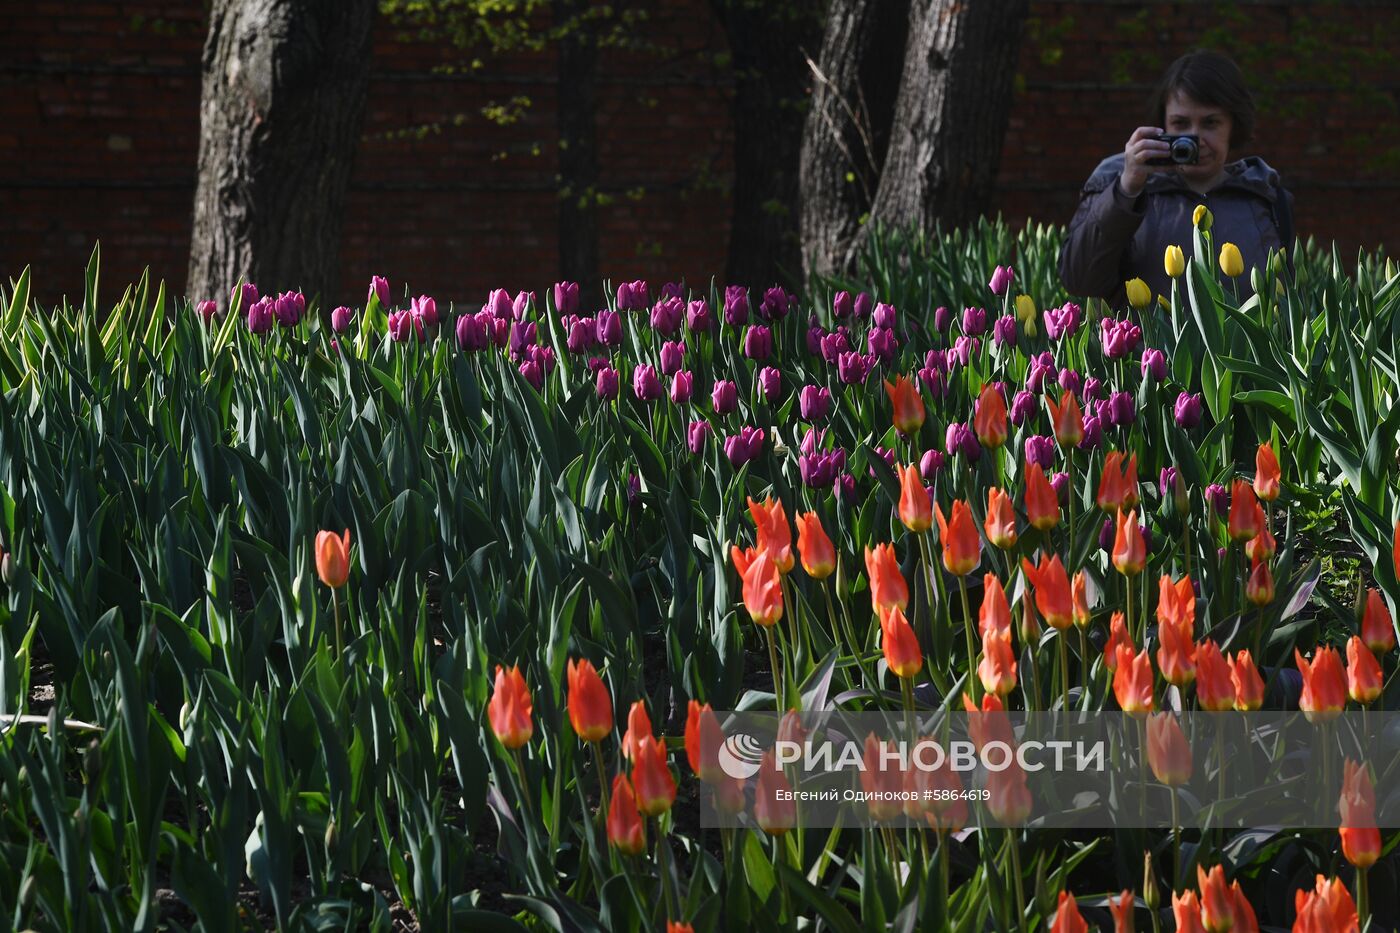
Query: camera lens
(1185,151)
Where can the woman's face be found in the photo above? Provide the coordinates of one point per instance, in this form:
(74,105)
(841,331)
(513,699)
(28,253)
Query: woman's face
(1212,124)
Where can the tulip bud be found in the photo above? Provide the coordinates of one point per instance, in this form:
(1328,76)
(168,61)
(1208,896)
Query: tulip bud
(207,310)
(1231,263)
(7,567)
(1139,295)
(1202,218)
(1174,261)
(841,305)
(607,383)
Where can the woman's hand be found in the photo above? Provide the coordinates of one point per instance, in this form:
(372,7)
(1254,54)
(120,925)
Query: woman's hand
(1142,146)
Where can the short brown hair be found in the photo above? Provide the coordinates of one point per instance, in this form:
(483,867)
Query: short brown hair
(1211,78)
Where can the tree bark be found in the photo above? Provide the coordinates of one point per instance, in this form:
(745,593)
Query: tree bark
(847,128)
(950,117)
(578,151)
(282,103)
(769,43)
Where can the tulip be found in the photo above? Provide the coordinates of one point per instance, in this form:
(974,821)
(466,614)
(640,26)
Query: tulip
(841,306)
(1202,218)
(206,310)
(1217,901)
(935,794)
(736,305)
(1067,917)
(763,593)
(961,545)
(1328,908)
(772,530)
(607,383)
(729,795)
(520,308)
(697,434)
(626,832)
(1361,840)
(1002,277)
(773,806)
(1168,754)
(814,546)
(633,296)
(1259,590)
(523,335)
(333,558)
(1117,635)
(775,303)
(1154,364)
(1079,591)
(942,319)
(1122,907)
(609,325)
(1176,604)
(899,644)
(1377,629)
(1266,474)
(1249,686)
(1186,910)
(703,738)
(1067,419)
(1025,308)
(1129,549)
(672,357)
(997,669)
(994,615)
(1004,331)
(590,707)
(887,586)
(1262,546)
(510,708)
(1231,263)
(675,926)
(1174,262)
(770,382)
(646,385)
(1009,801)
(930,463)
(288,308)
(378,291)
(854,368)
(651,777)
(1119,338)
(725,397)
(1139,295)
(1176,655)
(638,728)
(1052,591)
(1000,523)
(682,384)
(990,420)
(1118,482)
(1042,504)
(1324,686)
(908,406)
(498,304)
(566,297)
(1364,680)
(814,403)
(424,309)
(260,316)
(698,317)
(1215,690)
(915,506)
(758,343)
(1187,410)
(1062,321)
(1132,680)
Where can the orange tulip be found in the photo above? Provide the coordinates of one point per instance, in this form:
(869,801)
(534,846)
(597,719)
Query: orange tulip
(743,558)
(915,506)
(1118,482)
(1009,801)
(997,668)
(626,832)
(1262,546)
(935,794)
(1377,629)
(590,707)
(1080,594)
(1361,840)
(1129,548)
(1259,590)
(887,586)
(771,528)
(763,590)
(1132,681)
(1241,912)
(961,545)
(1364,680)
(901,646)
(1067,419)
(1117,635)
(990,421)
(1217,902)
(1042,505)
(994,616)
(1176,604)
(1215,690)
(818,554)
(773,806)
(651,776)
(1176,655)
(1186,910)
(882,780)
(673,926)
(333,558)
(907,403)
(1067,917)
(1246,515)
(1249,686)
(1030,626)
(1052,591)
(1328,908)
(510,708)
(1266,474)
(729,795)
(638,728)
(1001,519)
(1122,908)
(1324,686)
(1168,754)
(703,737)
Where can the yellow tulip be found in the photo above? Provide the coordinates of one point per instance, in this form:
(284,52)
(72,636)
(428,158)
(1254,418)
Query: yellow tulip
(1030,328)
(1139,295)
(1174,261)
(1231,262)
(1025,307)
(1202,217)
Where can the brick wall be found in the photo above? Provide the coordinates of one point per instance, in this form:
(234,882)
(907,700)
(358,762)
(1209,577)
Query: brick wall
(99,131)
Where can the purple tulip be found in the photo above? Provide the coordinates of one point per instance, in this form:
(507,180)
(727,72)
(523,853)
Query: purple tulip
(609,328)
(672,356)
(1122,409)
(1069,380)
(596,363)
(666,316)
(288,308)
(736,305)
(775,304)
(1004,331)
(841,305)
(245,296)
(646,386)
(821,468)
(583,334)
(533,373)
(1102,411)
(884,315)
(522,335)
(1187,410)
(1093,434)
(930,463)
(933,382)
(853,368)
(937,360)
(1023,408)
(770,381)
(974,322)
(500,331)
(1038,373)
(953,437)
(425,309)
(520,308)
(882,343)
(844,488)
(672,290)
(340,319)
(1002,278)
(207,310)
(634,491)
(682,383)
(1119,338)
(863,305)
(472,332)
(1107,531)
(1063,321)
(725,397)
(499,304)
(378,290)
(886,455)
(758,343)
(942,319)
(1060,483)
(696,434)
(1218,498)
(698,317)
(815,333)
(636,294)
(566,297)
(742,447)
(607,383)
(964,348)
(543,355)
(1154,363)
(260,316)
(814,402)
(1093,389)
(1040,450)
(833,345)
(812,440)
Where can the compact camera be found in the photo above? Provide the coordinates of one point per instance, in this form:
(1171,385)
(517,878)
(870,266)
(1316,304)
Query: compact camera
(1186,150)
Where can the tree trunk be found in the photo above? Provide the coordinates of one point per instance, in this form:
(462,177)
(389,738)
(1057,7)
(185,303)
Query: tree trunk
(950,118)
(282,103)
(847,127)
(578,151)
(769,43)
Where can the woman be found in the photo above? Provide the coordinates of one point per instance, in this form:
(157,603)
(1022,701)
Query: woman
(1131,210)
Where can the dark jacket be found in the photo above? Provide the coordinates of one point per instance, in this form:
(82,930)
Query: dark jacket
(1113,238)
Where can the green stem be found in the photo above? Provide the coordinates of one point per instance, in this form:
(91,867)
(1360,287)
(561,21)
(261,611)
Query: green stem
(777,672)
(1084,659)
(972,681)
(1016,876)
(1176,841)
(664,857)
(335,602)
(1064,666)
(1363,896)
